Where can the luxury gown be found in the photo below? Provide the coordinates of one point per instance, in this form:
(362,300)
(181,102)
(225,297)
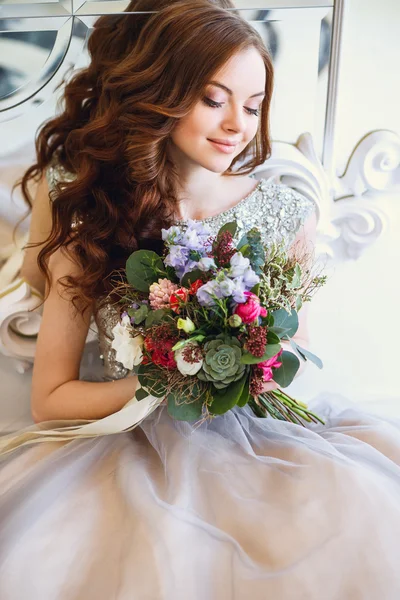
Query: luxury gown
(237,508)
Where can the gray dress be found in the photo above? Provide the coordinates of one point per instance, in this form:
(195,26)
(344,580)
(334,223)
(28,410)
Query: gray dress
(237,508)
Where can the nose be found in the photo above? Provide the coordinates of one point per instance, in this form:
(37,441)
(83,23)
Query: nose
(234,119)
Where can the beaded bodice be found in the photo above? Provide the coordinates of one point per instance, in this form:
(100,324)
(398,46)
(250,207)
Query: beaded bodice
(277,210)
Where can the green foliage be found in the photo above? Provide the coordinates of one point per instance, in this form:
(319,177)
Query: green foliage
(155,317)
(295,278)
(141,394)
(254,250)
(139,314)
(287,321)
(243,242)
(307,355)
(152,379)
(226,398)
(272,337)
(245,396)
(286,373)
(185,411)
(270,351)
(143,268)
(231,227)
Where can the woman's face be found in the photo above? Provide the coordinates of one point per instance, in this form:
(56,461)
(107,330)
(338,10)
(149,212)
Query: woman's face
(226,119)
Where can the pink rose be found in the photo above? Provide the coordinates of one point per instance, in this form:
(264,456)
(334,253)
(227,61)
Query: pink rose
(268,365)
(250,310)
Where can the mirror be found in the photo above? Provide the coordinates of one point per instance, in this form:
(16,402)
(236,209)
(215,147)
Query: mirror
(40,42)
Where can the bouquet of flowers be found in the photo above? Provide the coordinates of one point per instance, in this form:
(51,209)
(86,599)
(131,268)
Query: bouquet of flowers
(202,325)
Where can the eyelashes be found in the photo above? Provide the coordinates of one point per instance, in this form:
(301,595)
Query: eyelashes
(252,111)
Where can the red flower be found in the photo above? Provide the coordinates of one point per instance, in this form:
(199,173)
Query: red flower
(179,296)
(159,343)
(148,344)
(165,356)
(195,286)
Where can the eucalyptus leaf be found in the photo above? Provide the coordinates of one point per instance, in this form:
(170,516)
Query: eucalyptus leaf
(150,379)
(231,227)
(227,398)
(279,331)
(157,316)
(285,374)
(287,321)
(307,355)
(242,242)
(272,338)
(187,411)
(138,314)
(143,268)
(184,411)
(270,351)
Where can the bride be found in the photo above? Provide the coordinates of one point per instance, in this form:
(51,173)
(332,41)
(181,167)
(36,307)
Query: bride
(239,507)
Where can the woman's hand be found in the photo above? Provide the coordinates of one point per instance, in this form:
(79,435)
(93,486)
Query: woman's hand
(268,386)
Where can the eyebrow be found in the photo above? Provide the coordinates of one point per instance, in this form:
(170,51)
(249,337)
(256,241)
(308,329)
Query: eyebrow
(223,87)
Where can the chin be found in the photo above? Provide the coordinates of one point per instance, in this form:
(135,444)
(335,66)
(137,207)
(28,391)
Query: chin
(216,166)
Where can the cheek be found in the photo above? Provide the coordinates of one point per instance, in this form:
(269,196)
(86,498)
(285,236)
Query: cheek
(252,128)
(190,126)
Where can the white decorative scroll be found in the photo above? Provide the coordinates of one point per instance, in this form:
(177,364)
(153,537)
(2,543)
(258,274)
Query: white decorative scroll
(348,206)
(20,316)
(372,171)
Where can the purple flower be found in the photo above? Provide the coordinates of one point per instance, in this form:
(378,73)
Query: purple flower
(239,264)
(206,264)
(171,235)
(208,292)
(177,257)
(250,278)
(192,241)
(199,228)
(238,293)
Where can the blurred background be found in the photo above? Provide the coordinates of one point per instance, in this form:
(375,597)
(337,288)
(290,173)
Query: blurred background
(337,79)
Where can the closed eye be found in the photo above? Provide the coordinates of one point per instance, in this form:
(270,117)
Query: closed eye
(213,104)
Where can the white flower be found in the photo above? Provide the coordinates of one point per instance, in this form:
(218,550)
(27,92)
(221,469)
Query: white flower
(128,348)
(185,367)
(239,264)
(206,264)
(186,324)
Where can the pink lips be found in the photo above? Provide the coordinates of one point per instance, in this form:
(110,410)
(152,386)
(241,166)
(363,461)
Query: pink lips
(227,148)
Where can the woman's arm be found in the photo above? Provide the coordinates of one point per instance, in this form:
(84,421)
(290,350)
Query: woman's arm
(57,392)
(39,230)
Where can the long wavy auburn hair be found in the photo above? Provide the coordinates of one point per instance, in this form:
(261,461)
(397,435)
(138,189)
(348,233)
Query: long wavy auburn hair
(146,73)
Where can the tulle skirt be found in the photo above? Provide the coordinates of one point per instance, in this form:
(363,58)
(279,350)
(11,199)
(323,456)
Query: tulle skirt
(236,508)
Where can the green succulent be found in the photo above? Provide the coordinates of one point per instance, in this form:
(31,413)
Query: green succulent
(221,365)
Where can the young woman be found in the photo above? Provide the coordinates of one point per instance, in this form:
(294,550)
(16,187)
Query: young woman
(239,507)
